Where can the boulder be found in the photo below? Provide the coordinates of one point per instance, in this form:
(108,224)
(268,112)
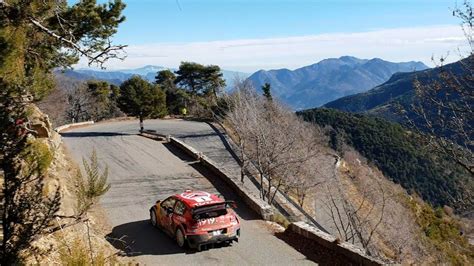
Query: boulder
(39,122)
(41,130)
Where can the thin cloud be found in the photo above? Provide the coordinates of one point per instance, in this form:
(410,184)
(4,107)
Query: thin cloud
(248,55)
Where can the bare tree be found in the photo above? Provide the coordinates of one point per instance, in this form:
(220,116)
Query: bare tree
(79,105)
(55,105)
(270,137)
(355,221)
(244,104)
(444,103)
(303,182)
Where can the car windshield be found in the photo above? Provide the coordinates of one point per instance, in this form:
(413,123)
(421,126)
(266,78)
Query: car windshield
(205,212)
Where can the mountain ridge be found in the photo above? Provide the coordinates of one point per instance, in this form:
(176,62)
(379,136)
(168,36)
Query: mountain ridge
(398,87)
(329,79)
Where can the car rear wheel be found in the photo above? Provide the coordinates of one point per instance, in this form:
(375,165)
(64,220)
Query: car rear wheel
(180,238)
(153,218)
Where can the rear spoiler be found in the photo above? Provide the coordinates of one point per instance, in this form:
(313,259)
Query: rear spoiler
(205,208)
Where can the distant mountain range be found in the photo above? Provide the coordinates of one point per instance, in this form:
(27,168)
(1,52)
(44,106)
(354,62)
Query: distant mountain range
(397,90)
(148,72)
(329,79)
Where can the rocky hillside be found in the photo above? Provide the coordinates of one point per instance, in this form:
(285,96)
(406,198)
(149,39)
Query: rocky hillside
(68,246)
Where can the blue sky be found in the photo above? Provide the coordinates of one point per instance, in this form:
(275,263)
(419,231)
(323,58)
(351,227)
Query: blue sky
(157,25)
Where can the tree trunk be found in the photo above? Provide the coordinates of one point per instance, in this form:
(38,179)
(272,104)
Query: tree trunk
(141,123)
(274,193)
(214,92)
(242,168)
(269,190)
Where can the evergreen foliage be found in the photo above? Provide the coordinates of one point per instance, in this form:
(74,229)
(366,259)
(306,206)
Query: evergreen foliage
(443,231)
(33,41)
(266,88)
(201,86)
(165,79)
(94,185)
(200,79)
(176,98)
(142,99)
(102,100)
(27,207)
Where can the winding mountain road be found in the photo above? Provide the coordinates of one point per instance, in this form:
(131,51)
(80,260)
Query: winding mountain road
(143,170)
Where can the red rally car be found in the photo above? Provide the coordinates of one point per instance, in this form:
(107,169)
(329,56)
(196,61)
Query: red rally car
(196,218)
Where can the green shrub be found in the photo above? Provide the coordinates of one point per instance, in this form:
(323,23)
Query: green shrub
(38,156)
(90,188)
(280,219)
(443,232)
(76,253)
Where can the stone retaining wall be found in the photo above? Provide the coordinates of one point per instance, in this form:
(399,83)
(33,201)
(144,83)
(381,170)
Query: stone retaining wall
(326,240)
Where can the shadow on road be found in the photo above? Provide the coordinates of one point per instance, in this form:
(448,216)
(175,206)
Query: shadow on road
(92,134)
(198,135)
(141,238)
(178,152)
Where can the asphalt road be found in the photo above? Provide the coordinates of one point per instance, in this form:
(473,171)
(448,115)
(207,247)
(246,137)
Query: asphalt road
(142,170)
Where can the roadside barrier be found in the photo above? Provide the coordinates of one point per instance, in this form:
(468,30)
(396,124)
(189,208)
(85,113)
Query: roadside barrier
(328,241)
(64,127)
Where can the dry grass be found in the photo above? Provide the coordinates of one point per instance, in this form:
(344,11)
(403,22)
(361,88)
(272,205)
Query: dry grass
(280,219)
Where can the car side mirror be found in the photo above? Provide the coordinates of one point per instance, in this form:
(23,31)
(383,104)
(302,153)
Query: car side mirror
(169,210)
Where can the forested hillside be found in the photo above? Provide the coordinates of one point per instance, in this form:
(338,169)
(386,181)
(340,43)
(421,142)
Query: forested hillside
(400,155)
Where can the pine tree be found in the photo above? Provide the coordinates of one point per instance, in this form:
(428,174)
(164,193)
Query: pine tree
(35,37)
(266,88)
(141,99)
